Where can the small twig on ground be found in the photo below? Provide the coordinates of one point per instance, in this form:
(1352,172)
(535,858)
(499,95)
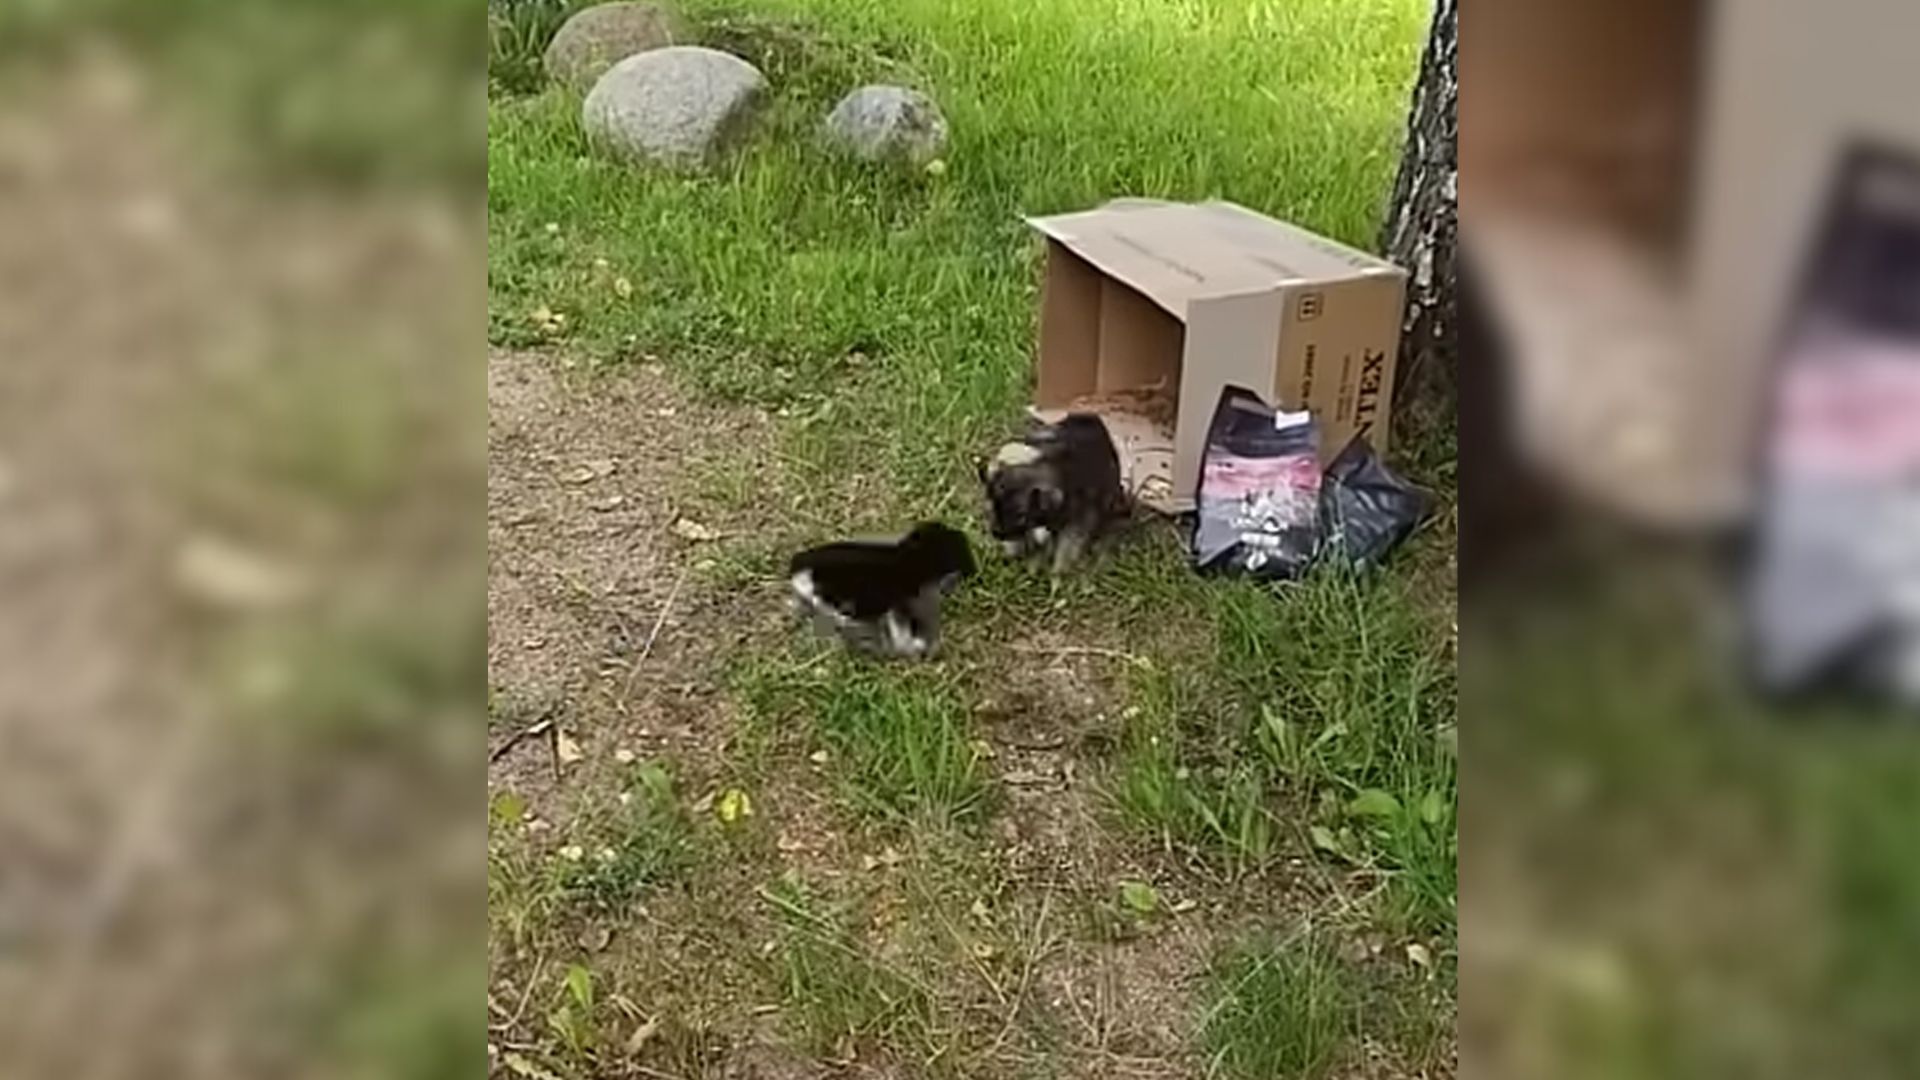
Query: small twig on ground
(1032,957)
(1036,745)
(526,995)
(539,727)
(653,635)
(1078,650)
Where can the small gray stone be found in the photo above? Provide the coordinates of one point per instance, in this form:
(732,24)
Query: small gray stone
(881,123)
(597,38)
(673,107)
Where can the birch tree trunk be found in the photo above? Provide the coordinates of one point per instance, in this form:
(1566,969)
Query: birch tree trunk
(1420,224)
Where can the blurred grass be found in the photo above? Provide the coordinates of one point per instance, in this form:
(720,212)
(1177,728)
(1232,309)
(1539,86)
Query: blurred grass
(1706,887)
(394,101)
(315,852)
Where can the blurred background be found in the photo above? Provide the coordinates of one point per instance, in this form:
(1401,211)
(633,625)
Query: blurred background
(240,580)
(1691,805)
(240,621)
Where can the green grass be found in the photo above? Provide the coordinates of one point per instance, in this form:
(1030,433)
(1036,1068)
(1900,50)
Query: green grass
(1324,707)
(517,36)
(1284,1009)
(836,991)
(898,738)
(645,838)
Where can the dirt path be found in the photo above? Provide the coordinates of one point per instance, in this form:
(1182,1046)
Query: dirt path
(586,573)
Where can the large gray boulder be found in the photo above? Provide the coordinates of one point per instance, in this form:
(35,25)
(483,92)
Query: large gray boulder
(673,107)
(597,38)
(888,123)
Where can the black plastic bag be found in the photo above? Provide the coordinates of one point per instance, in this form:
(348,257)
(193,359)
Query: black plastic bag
(1259,492)
(1365,510)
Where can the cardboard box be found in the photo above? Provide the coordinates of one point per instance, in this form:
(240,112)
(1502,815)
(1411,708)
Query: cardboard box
(1148,310)
(1644,179)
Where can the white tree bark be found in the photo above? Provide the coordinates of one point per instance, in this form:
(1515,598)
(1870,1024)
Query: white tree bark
(1420,226)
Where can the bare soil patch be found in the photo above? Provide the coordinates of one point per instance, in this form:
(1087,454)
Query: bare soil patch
(597,616)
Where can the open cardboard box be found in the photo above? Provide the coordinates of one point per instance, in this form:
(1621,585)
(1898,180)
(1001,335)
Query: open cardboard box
(1641,178)
(1149,310)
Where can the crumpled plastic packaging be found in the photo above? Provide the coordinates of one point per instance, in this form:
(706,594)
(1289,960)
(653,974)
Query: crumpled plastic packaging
(1266,509)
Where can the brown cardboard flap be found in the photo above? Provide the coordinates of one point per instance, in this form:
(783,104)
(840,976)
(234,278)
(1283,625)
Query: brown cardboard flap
(1285,249)
(1171,254)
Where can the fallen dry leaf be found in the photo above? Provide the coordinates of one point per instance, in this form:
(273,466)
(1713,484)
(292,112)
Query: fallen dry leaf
(623,287)
(1418,954)
(611,502)
(566,749)
(521,1065)
(588,471)
(642,1035)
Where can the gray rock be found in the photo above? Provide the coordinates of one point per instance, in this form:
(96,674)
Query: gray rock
(597,38)
(674,106)
(882,123)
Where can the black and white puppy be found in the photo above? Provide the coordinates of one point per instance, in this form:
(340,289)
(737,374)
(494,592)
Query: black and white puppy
(1055,491)
(880,597)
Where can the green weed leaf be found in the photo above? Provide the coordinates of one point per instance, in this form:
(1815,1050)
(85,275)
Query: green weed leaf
(1374,803)
(580,987)
(1140,897)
